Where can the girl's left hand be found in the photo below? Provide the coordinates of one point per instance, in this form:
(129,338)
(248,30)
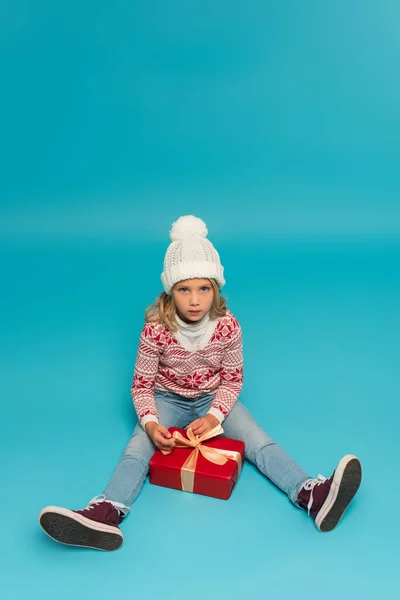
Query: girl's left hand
(203,425)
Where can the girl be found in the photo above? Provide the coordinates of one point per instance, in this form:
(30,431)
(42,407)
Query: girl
(189,373)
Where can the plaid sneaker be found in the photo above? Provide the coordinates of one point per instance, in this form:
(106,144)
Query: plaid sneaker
(327,499)
(95,526)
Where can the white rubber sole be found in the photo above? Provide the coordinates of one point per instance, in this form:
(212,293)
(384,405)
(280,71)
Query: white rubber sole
(346,481)
(68,527)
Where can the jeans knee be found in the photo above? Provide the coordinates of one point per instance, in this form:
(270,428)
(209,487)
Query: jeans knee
(255,450)
(140,448)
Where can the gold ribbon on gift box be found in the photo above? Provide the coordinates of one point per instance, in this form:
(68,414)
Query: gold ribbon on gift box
(217,456)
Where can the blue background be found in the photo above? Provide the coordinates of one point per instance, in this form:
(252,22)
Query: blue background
(278,124)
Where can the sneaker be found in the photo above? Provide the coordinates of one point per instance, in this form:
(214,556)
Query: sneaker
(327,499)
(95,526)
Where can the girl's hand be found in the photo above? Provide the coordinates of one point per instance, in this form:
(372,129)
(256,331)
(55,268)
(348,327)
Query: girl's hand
(160,437)
(204,424)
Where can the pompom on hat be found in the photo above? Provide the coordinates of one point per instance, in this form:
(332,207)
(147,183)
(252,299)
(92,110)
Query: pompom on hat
(190,254)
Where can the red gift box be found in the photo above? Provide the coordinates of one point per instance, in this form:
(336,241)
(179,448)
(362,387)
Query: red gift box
(186,469)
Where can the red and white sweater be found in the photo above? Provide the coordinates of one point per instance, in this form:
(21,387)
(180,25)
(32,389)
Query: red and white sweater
(163,363)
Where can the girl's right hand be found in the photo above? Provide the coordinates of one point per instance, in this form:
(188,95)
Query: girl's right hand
(160,436)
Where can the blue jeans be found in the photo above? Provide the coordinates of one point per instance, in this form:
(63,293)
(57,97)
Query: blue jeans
(176,411)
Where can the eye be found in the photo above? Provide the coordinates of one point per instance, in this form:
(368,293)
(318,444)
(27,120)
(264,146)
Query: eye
(204,287)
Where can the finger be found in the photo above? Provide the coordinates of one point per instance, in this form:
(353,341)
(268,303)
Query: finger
(193,424)
(162,446)
(164,432)
(165,446)
(164,436)
(199,430)
(163,441)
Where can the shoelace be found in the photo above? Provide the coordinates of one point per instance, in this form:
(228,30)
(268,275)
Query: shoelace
(310,485)
(90,506)
(101,498)
(95,502)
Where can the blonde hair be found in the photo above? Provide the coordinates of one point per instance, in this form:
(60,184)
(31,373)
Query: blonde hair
(163,310)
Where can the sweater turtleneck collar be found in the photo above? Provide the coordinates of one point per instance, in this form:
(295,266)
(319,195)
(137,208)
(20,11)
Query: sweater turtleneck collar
(195,336)
(195,327)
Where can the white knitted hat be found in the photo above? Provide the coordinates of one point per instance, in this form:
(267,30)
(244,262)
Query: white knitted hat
(190,255)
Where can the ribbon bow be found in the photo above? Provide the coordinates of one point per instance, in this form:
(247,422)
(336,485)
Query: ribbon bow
(217,456)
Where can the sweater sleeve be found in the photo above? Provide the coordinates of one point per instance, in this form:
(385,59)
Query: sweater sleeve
(146,367)
(231,375)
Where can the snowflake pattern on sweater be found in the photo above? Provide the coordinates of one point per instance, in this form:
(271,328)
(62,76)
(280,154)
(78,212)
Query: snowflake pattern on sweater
(162,363)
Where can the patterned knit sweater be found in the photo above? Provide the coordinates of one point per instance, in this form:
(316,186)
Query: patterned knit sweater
(163,363)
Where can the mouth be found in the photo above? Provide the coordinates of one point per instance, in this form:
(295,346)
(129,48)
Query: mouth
(195,312)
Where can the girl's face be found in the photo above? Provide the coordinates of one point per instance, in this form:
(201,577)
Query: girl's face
(192,295)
